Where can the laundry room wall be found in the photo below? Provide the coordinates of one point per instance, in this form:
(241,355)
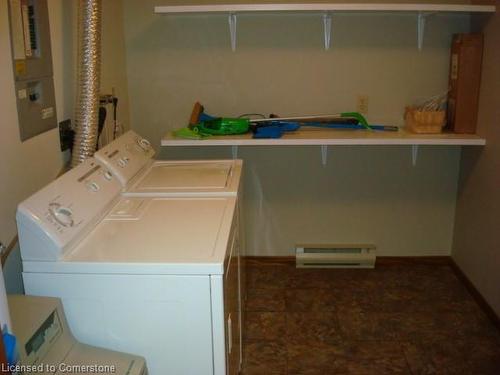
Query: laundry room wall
(25,166)
(476,245)
(114,69)
(364,194)
(28,166)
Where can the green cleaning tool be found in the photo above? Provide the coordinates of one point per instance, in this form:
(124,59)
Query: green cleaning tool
(223,126)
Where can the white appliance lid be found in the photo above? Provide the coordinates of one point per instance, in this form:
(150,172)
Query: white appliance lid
(178,176)
(154,236)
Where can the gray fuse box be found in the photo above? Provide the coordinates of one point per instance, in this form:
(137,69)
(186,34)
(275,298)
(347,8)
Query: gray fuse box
(32,62)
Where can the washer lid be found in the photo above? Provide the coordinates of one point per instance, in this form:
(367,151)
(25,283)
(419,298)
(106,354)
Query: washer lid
(184,177)
(154,236)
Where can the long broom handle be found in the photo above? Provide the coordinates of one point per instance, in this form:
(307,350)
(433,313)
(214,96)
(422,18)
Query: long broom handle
(318,118)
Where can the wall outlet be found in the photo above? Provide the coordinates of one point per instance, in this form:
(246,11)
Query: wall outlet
(362,104)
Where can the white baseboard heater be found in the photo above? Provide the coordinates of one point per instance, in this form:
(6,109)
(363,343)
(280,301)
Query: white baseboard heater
(335,256)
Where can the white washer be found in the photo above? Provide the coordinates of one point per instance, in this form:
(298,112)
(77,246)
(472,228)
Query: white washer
(152,275)
(130,159)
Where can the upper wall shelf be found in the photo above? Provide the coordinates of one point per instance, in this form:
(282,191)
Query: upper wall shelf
(326,9)
(323,7)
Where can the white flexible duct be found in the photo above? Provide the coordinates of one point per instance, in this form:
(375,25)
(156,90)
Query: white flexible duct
(89,73)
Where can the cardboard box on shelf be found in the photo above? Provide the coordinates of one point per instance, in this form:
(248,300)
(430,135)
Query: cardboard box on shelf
(465,80)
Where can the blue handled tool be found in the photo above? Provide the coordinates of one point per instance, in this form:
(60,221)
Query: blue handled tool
(350,126)
(276,129)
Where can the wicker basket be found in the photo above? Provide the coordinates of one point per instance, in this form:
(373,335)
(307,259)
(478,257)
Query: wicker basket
(424,122)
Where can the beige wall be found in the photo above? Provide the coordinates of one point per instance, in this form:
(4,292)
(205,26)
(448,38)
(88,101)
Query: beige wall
(364,194)
(476,245)
(114,70)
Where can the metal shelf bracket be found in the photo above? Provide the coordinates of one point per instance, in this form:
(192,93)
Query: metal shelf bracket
(324,155)
(232,29)
(327,29)
(234,152)
(2,248)
(421,21)
(414,154)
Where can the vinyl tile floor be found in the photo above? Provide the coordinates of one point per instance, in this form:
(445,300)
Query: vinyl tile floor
(399,318)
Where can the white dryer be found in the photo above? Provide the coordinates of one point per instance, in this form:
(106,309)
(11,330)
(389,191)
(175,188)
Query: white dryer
(149,275)
(130,159)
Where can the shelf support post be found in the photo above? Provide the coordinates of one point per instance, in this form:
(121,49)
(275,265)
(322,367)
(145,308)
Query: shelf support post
(327,29)
(232,29)
(414,154)
(324,155)
(234,151)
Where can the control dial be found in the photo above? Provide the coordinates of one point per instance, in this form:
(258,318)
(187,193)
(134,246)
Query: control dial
(144,144)
(63,215)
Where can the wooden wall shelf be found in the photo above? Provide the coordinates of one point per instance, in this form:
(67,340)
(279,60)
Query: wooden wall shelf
(326,9)
(320,137)
(322,7)
(325,138)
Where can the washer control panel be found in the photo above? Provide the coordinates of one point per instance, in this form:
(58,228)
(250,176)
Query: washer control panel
(60,213)
(126,156)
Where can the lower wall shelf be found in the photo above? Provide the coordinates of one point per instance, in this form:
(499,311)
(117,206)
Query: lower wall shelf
(321,137)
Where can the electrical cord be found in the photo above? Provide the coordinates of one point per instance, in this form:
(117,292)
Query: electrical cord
(115,122)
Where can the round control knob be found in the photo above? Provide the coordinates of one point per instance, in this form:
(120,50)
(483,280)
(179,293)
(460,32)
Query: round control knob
(93,187)
(61,214)
(144,144)
(108,175)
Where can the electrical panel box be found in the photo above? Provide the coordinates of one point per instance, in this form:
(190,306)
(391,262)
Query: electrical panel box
(32,62)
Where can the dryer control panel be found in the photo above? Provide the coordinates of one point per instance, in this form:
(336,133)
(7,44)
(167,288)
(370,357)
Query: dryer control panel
(57,216)
(126,156)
